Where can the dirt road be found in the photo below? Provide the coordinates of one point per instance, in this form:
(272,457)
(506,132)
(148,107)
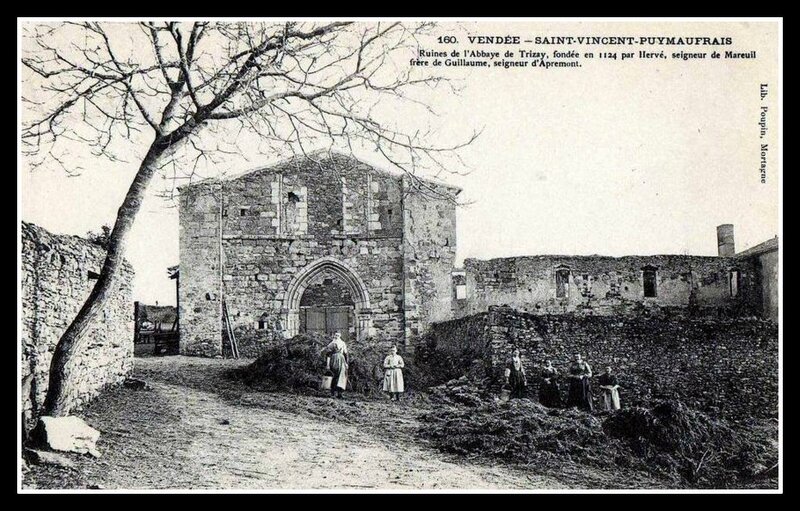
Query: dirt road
(196,430)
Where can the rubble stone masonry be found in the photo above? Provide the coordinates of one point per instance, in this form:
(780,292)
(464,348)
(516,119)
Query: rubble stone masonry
(600,285)
(57,276)
(726,367)
(261,239)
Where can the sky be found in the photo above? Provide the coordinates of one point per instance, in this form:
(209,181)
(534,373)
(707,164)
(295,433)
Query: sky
(613,158)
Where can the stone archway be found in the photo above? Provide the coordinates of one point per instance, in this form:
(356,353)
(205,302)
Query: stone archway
(358,292)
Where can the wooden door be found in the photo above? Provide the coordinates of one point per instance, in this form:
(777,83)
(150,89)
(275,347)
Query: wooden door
(338,320)
(315,320)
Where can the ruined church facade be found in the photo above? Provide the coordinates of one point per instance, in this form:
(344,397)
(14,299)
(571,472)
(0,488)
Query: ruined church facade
(319,243)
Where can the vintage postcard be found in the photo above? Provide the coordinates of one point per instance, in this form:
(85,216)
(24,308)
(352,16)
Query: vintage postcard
(400,255)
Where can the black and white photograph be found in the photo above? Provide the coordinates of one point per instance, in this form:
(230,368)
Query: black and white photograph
(411,255)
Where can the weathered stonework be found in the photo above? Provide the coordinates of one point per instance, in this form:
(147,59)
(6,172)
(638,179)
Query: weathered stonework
(57,276)
(263,239)
(765,259)
(726,367)
(598,285)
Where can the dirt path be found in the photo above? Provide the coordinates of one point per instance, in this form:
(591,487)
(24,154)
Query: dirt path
(178,435)
(256,448)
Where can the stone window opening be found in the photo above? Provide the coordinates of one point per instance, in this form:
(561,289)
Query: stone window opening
(292,197)
(243,211)
(461,292)
(262,323)
(562,282)
(649,281)
(225,213)
(735,282)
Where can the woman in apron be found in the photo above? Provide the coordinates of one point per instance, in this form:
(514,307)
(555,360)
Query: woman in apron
(337,363)
(608,382)
(393,378)
(515,375)
(580,387)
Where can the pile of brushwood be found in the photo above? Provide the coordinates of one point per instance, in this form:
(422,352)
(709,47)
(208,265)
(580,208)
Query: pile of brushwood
(690,446)
(298,364)
(683,447)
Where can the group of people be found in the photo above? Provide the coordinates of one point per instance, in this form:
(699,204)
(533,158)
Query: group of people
(579,392)
(337,363)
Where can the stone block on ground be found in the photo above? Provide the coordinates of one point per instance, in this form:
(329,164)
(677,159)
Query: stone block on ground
(69,434)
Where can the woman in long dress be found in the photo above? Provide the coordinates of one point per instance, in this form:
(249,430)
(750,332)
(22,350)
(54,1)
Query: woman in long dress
(549,392)
(515,375)
(338,364)
(393,377)
(608,382)
(580,387)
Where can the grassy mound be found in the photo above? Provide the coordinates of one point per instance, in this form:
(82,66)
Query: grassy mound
(296,364)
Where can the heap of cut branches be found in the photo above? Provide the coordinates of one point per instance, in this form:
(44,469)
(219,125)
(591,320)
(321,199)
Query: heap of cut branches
(298,365)
(683,447)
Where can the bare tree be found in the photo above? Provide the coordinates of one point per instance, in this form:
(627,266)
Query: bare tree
(179,94)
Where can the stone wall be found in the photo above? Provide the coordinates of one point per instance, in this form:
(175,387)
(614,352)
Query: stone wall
(598,285)
(767,266)
(57,276)
(429,249)
(725,367)
(333,213)
(200,305)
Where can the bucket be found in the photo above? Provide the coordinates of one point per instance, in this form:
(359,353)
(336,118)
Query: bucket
(326,382)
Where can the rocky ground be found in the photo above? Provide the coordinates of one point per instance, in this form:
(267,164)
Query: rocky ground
(197,429)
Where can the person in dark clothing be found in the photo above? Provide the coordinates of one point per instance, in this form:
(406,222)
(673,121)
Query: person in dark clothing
(580,387)
(549,392)
(515,375)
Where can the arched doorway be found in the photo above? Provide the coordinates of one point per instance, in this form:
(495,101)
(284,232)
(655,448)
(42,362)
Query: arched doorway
(307,308)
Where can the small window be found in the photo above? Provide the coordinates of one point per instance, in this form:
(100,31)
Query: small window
(650,284)
(243,212)
(225,213)
(293,197)
(461,292)
(734,283)
(262,324)
(562,282)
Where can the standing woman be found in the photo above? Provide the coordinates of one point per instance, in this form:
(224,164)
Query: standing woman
(393,378)
(515,375)
(549,393)
(337,350)
(608,382)
(580,387)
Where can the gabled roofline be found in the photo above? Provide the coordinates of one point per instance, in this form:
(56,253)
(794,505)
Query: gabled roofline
(325,154)
(770,245)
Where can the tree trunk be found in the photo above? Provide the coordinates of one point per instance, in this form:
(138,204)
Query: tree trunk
(62,381)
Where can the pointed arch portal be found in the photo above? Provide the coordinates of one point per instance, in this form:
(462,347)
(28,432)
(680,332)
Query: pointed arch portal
(356,287)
